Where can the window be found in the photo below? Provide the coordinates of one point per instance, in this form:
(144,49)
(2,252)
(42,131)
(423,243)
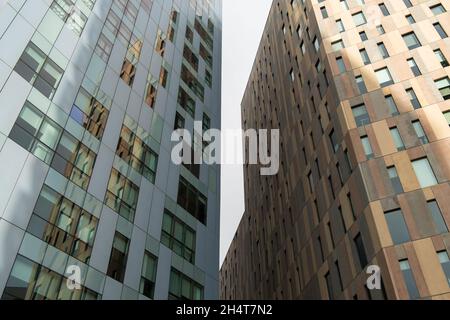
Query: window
(367,147)
(122,195)
(438,219)
(338,272)
(151,92)
(440,30)
(70,14)
(397,139)
(447,117)
(344,5)
(410,19)
(324,12)
(178,236)
(183,288)
(179,122)
(383,51)
(337,45)
(186,102)
(445,264)
(311,181)
(292,75)
(316,43)
(397,226)
(395,180)
(31,281)
(392,105)
(118,259)
(361,85)
(59,222)
(359,18)
(364,56)
(359,245)
(437,9)
(384,77)
(148,275)
(341,65)
(443,86)
(334,141)
(39,70)
(192,200)
(407,3)
(363,36)
(340,25)
(383,9)
(414,68)
(408,277)
(360,114)
(413,98)
(441,58)
(90,113)
(424,173)
(420,132)
(135,152)
(411,40)
(380,29)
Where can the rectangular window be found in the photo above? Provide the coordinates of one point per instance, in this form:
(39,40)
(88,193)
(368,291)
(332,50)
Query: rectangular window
(337,45)
(437,9)
(363,36)
(340,25)
(436,215)
(420,132)
(39,70)
(148,275)
(359,245)
(410,19)
(395,180)
(414,68)
(383,51)
(183,288)
(424,173)
(361,85)
(384,9)
(59,222)
(367,147)
(334,141)
(324,12)
(191,81)
(359,19)
(398,141)
(443,86)
(178,236)
(397,226)
(445,264)
(344,5)
(440,30)
(441,58)
(364,56)
(392,105)
(341,65)
(408,277)
(122,195)
(89,113)
(137,154)
(118,259)
(407,3)
(447,117)
(360,114)
(411,40)
(192,200)
(329,284)
(413,98)
(384,77)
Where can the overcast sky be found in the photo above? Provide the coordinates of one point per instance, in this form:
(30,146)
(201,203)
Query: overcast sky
(243,23)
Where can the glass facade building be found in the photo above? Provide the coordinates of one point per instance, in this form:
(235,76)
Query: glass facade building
(90,93)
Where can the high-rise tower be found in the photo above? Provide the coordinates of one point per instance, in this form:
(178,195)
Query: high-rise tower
(360,90)
(90,93)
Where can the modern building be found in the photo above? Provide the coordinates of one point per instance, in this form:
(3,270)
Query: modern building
(360,91)
(90,93)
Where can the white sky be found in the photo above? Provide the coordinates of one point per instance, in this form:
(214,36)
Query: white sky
(243,24)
